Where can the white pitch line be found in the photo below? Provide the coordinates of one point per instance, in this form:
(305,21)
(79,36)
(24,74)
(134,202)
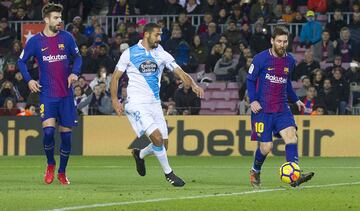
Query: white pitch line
(195,167)
(197,197)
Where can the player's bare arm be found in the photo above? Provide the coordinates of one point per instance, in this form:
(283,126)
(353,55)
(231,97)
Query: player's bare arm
(186,79)
(118,107)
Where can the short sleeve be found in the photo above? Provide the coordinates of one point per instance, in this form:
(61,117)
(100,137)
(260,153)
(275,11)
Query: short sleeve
(169,60)
(124,61)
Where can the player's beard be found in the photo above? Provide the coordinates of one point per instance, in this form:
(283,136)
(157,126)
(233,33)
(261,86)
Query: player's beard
(152,44)
(54,29)
(279,51)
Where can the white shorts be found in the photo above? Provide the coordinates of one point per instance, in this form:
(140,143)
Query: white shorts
(146,118)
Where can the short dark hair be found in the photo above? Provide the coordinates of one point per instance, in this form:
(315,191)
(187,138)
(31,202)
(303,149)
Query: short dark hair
(150,27)
(51,7)
(280,30)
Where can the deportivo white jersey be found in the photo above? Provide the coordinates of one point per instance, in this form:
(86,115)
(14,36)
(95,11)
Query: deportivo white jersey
(144,69)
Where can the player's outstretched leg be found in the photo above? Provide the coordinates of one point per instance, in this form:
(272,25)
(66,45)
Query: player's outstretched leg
(304,177)
(65,150)
(161,155)
(140,162)
(49,144)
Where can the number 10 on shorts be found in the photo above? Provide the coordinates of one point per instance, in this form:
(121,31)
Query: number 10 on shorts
(259,127)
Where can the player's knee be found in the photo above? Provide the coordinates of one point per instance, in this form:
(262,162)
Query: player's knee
(266,148)
(49,132)
(157,140)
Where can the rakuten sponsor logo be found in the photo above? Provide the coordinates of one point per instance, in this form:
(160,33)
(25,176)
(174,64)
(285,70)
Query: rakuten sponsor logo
(275,79)
(52,58)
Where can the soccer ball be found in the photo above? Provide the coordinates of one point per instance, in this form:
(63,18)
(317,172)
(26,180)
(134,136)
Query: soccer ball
(289,172)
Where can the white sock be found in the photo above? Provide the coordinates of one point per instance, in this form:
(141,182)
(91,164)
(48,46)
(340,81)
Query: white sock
(148,150)
(161,155)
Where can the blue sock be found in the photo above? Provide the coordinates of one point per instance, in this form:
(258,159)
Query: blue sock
(259,160)
(292,153)
(49,144)
(65,150)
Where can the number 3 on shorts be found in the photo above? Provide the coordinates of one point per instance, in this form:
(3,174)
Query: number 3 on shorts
(259,127)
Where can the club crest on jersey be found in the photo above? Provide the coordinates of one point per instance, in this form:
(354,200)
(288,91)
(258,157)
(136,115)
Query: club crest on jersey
(286,70)
(61,46)
(148,67)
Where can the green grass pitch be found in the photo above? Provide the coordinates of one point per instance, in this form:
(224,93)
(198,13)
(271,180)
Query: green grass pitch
(213,183)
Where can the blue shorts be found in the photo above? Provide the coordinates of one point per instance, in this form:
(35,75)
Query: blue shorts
(265,125)
(61,108)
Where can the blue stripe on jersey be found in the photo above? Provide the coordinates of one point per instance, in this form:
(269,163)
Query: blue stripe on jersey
(148,68)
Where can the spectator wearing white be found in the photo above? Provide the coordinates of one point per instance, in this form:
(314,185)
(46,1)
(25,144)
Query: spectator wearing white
(102,76)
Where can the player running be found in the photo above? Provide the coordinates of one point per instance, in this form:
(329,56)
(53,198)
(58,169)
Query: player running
(269,87)
(54,50)
(144,64)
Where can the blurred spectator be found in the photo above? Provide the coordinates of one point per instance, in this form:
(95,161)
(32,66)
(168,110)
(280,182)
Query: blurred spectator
(260,40)
(346,46)
(324,50)
(223,42)
(337,63)
(233,35)
(7,35)
(120,7)
(318,79)
(319,109)
(171,8)
(288,15)
(29,110)
(353,73)
(246,32)
(203,27)
(88,65)
(186,99)
(306,67)
(21,87)
(103,89)
(13,53)
(211,6)
(3,11)
(211,37)
(199,51)
(355,27)
(132,35)
(244,54)
(261,8)
(327,97)
(31,8)
(78,97)
(305,84)
(192,7)
(101,76)
(20,14)
(277,12)
(343,5)
(115,47)
(2,79)
(336,24)
(10,70)
(215,54)
(84,86)
(9,108)
(168,86)
(309,100)
(77,21)
(225,68)
(341,88)
(103,59)
(165,35)
(310,32)
(242,73)
(299,18)
(121,29)
(171,110)
(318,6)
(99,104)
(237,16)
(188,30)
(79,37)
(222,16)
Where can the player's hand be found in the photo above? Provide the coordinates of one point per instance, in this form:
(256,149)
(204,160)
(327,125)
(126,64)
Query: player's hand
(300,105)
(34,86)
(198,91)
(118,107)
(255,107)
(71,79)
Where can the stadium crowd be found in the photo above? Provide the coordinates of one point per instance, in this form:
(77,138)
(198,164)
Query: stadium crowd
(326,78)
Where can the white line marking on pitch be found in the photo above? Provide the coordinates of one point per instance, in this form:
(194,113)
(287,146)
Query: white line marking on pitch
(198,197)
